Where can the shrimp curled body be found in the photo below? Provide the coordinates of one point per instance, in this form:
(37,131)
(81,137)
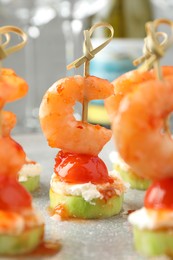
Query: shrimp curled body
(58,123)
(15,87)
(129,82)
(138,129)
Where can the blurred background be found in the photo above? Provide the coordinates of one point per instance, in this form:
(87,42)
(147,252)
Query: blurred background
(55,39)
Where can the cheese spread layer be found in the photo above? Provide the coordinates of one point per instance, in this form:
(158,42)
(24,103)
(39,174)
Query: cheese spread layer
(151,219)
(88,191)
(29,170)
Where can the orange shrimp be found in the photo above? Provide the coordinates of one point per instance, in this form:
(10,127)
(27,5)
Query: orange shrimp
(127,83)
(8,122)
(12,156)
(20,86)
(138,129)
(5,90)
(12,87)
(58,123)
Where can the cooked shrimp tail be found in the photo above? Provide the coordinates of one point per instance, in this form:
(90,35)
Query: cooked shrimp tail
(129,82)
(138,129)
(58,123)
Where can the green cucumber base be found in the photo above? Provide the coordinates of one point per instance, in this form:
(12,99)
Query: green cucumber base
(77,207)
(153,242)
(23,243)
(135,181)
(32,183)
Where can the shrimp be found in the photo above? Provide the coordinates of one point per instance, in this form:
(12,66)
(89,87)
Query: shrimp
(127,83)
(12,157)
(5,90)
(138,129)
(8,122)
(58,123)
(12,87)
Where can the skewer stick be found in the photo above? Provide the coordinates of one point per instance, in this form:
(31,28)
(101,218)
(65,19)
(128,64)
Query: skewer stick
(157,69)
(87,48)
(153,50)
(89,54)
(156,65)
(166,125)
(85,101)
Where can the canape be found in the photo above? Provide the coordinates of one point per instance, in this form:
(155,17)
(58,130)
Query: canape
(82,188)
(153,224)
(21,228)
(127,174)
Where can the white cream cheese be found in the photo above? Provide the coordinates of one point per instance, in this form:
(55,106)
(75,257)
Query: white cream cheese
(29,170)
(88,190)
(151,219)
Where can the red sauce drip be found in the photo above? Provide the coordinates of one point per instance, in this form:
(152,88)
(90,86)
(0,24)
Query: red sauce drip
(60,89)
(129,211)
(47,248)
(160,195)
(13,196)
(81,168)
(108,193)
(61,211)
(63,214)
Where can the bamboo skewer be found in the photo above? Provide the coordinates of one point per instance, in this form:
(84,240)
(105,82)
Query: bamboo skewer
(85,101)
(89,53)
(153,51)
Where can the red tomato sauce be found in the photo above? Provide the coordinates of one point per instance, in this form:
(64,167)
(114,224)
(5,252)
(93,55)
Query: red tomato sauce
(160,195)
(46,248)
(81,168)
(13,196)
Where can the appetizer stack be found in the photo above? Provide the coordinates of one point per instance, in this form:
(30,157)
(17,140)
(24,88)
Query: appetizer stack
(144,142)
(21,228)
(124,85)
(81,186)
(29,175)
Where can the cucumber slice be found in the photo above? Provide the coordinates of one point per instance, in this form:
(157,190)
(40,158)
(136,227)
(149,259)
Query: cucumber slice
(32,183)
(153,242)
(135,181)
(77,207)
(23,243)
